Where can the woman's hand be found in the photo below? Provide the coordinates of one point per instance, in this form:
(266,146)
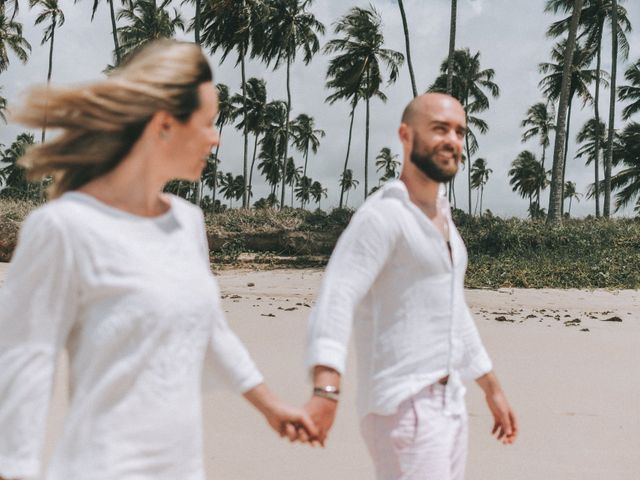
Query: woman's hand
(290,422)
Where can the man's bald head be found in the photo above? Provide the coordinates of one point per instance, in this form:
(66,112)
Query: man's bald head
(419,108)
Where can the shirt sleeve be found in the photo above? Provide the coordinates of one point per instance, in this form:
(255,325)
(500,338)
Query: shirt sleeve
(38,304)
(359,256)
(227,357)
(476,361)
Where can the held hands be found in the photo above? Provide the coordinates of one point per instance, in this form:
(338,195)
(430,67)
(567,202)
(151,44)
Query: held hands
(293,423)
(323,413)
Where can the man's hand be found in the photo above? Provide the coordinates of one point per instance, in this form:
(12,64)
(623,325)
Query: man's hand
(322,412)
(505,424)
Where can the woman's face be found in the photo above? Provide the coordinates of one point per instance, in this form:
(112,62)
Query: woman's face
(191,142)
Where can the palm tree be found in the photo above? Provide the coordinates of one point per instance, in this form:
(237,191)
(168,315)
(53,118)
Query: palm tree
(273,142)
(358,68)
(292,177)
(555,195)
(627,180)
(270,166)
(3,108)
(317,192)
(470,82)
(210,175)
(606,210)
(15,180)
(581,77)
(16,7)
(147,21)
(452,45)
(347,182)
(51,13)
(303,190)
(306,136)
(479,178)
(386,161)
(593,15)
(230,25)
(570,193)
(232,188)
(408,48)
(290,27)
(527,176)
(632,91)
(256,115)
(225,114)
(593,142)
(114,28)
(539,123)
(11,39)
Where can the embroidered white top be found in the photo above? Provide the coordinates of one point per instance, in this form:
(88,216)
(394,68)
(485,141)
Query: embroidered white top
(391,278)
(135,303)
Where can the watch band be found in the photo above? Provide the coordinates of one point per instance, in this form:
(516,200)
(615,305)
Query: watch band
(329,392)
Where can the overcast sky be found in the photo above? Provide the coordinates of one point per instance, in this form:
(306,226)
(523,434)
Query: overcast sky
(510,34)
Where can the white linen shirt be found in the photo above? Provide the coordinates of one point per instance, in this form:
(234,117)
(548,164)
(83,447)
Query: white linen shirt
(391,277)
(134,302)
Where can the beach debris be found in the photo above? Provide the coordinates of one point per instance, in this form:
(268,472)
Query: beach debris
(235,296)
(290,309)
(572,323)
(251,284)
(612,319)
(502,318)
(531,315)
(584,329)
(267,315)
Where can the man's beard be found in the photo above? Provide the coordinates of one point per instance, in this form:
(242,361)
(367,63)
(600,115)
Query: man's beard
(429,167)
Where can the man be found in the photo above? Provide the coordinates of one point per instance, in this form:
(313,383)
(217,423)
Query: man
(397,276)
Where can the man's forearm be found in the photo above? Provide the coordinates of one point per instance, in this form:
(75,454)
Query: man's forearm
(489,383)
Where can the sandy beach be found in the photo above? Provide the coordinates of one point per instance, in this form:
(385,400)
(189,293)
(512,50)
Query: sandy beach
(568,360)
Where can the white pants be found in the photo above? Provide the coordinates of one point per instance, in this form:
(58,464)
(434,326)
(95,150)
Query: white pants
(420,441)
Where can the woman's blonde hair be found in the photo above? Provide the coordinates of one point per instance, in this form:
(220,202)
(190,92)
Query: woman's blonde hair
(102,121)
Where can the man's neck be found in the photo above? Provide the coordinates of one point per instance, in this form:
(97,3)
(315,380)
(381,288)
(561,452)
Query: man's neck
(423,192)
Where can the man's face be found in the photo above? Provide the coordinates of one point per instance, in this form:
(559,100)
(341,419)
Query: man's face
(438,140)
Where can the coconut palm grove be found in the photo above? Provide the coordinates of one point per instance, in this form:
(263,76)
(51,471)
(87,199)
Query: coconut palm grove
(280,146)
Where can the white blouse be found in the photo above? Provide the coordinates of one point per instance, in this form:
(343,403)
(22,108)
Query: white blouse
(135,303)
(391,278)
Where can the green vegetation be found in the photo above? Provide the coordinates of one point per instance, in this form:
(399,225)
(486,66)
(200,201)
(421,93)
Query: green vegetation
(586,253)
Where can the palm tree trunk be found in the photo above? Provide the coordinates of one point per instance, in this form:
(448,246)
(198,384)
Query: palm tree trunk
(408,48)
(481,197)
(50,70)
(215,170)
(606,210)
(366,154)
(306,158)
(346,160)
(245,130)
(286,134)
(253,161)
(555,193)
(114,32)
(196,29)
(566,149)
(466,141)
(597,117)
(452,46)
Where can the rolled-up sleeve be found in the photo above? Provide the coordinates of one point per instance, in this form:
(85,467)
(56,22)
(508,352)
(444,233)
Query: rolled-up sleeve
(359,256)
(476,361)
(38,305)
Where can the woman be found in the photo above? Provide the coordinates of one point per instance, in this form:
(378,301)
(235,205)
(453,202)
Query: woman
(118,273)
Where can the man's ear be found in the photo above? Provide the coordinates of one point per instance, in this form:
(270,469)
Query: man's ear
(406,135)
